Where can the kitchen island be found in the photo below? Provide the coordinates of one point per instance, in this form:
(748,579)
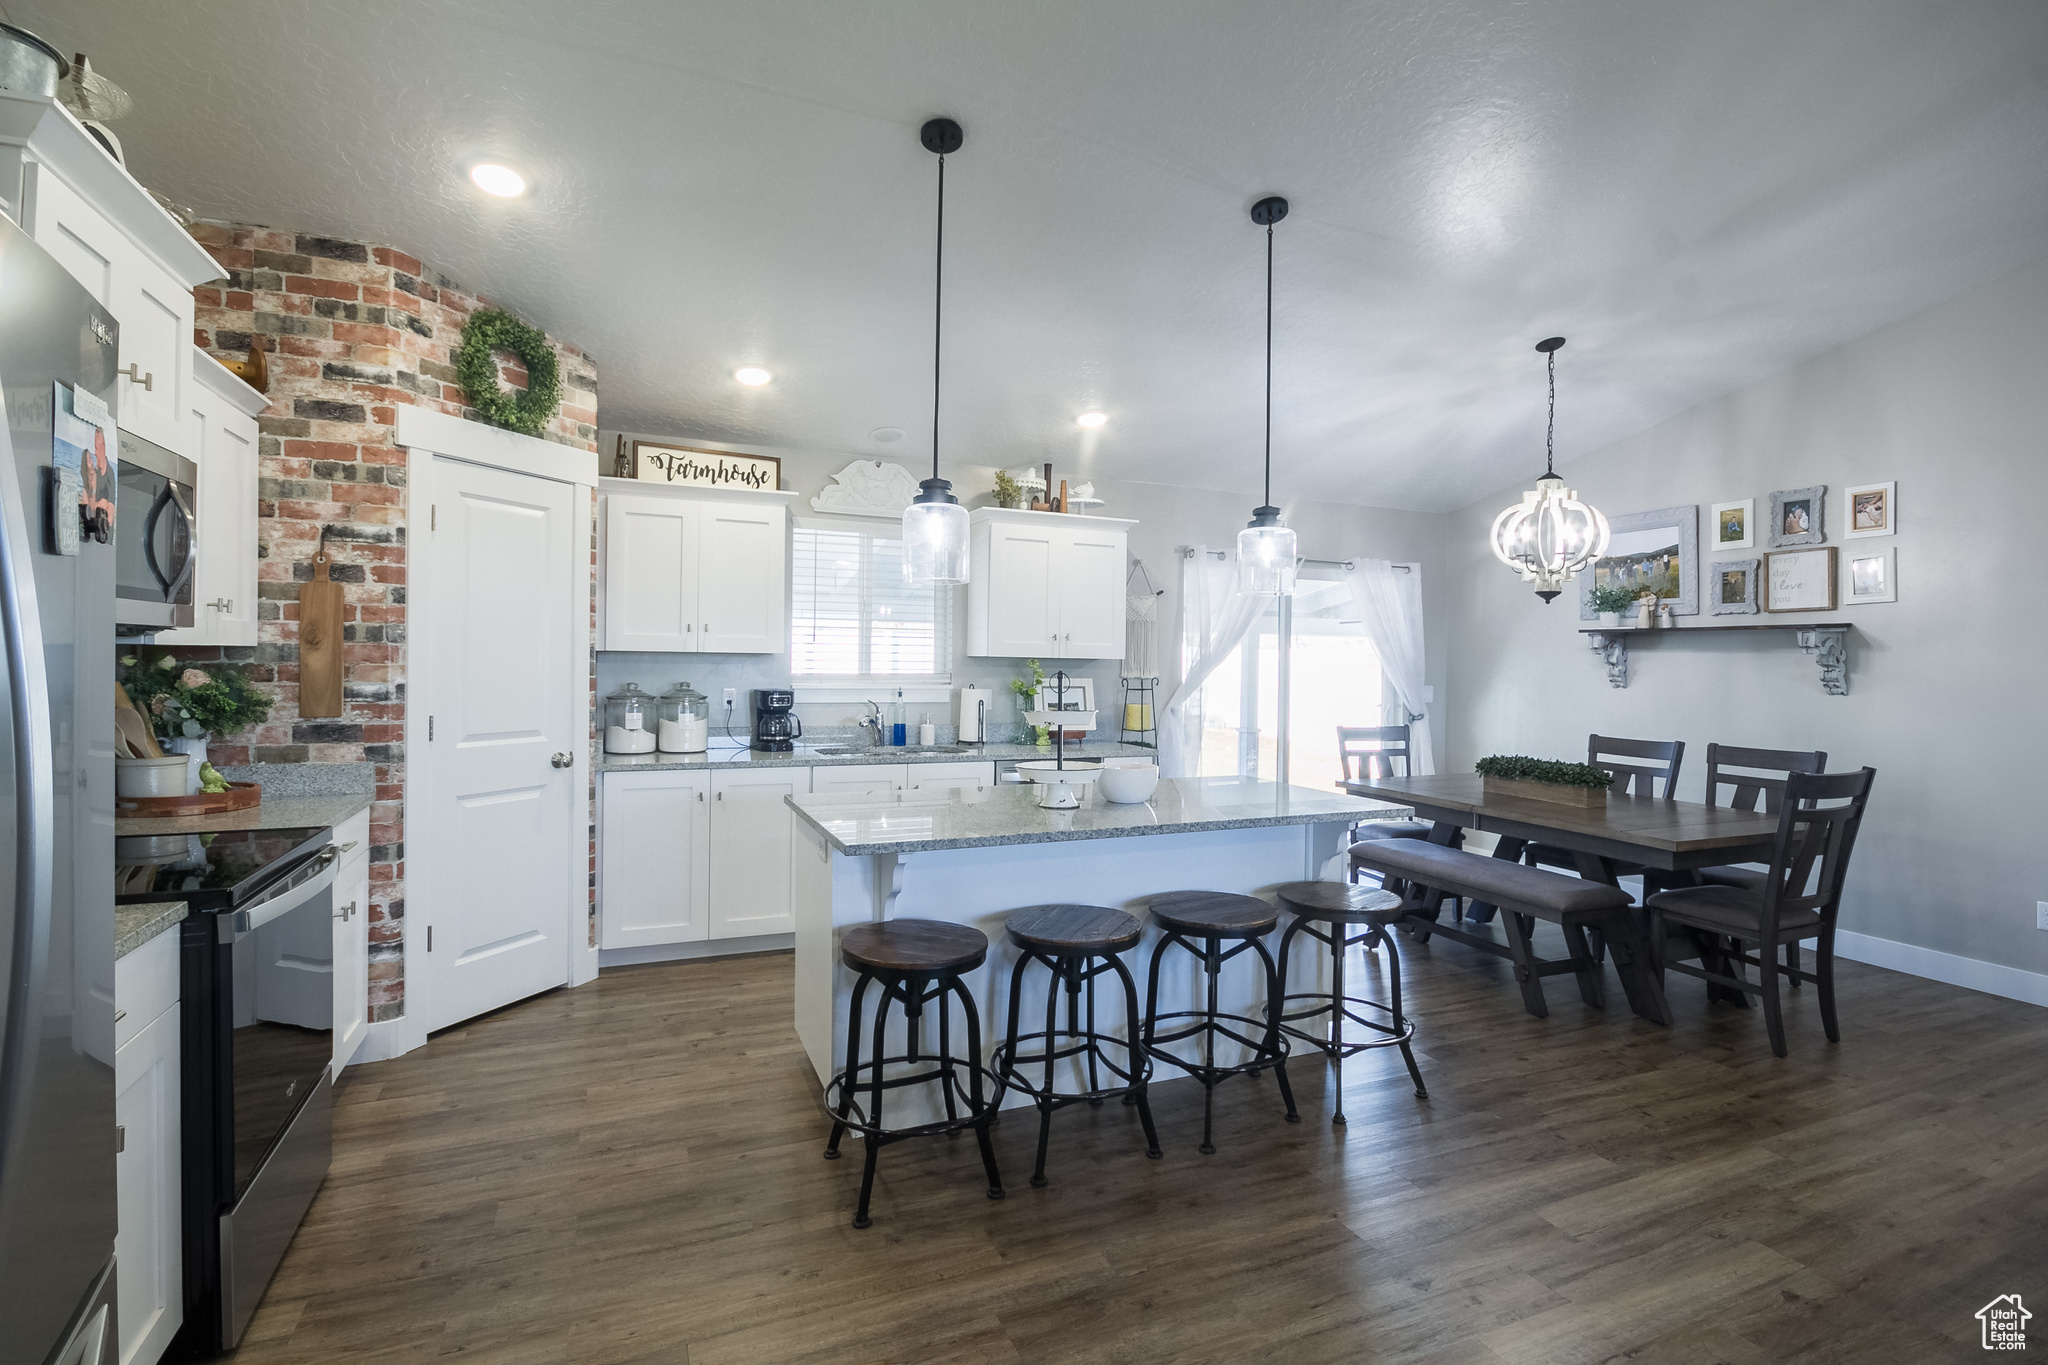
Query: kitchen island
(971,857)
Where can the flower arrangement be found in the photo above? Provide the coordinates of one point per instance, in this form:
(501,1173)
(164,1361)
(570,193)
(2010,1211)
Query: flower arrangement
(1518,768)
(183,701)
(1024,688)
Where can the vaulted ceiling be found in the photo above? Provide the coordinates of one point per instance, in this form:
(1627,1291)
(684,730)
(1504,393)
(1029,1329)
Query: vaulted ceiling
(1696,192)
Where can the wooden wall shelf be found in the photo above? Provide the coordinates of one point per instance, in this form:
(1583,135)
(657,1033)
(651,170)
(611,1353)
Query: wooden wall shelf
(1827,641)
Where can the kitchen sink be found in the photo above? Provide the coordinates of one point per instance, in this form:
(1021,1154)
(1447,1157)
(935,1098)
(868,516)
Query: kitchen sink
(884,750)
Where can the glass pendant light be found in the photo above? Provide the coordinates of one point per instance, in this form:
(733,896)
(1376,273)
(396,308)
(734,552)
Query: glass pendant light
(1549,536)
(935,524)
(1265,548)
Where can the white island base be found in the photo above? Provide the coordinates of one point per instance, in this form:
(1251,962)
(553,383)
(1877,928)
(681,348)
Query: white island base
(973,857)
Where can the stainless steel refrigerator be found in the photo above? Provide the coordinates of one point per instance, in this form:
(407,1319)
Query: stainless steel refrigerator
(57,1140)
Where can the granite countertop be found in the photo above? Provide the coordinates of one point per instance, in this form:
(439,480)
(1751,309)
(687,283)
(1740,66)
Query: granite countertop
(276,812)
(722,756)
(906,822)
(135,925)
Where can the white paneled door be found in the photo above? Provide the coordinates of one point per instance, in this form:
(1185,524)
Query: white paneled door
(506,686)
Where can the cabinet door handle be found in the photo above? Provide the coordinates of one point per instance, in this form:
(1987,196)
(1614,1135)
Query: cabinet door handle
(136,375)
(120,1138)
(222,604)
(700,796)
(119,1015)
(721,796)
(346,913)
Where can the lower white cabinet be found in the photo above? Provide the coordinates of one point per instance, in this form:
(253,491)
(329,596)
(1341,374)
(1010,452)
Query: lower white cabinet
(752,832)
(654,859)
(351,954)
(147,1247)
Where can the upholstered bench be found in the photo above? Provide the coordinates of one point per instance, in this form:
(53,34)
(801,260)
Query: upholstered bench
(1526,894)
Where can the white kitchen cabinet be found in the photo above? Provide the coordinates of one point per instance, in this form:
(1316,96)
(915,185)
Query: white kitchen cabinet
(753,831)
(654,858)
(87,211)
(694,574)
(860,779)
(940,777)
(148,1243)
(221,435)
(1046,585)
(351,955)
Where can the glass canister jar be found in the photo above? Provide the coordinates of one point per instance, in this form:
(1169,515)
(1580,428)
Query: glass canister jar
(628,721)
(683,721)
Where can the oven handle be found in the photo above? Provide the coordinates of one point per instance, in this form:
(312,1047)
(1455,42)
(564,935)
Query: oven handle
(235,924)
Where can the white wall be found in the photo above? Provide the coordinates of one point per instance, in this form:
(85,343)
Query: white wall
(1946,686)
(1168,516)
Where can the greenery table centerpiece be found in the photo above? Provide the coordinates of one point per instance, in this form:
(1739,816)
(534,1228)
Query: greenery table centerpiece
(1544,779)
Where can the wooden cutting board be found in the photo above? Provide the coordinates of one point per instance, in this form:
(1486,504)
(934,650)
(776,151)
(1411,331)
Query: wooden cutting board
(320,642)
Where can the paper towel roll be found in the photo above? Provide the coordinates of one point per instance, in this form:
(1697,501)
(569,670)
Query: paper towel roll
(976,703)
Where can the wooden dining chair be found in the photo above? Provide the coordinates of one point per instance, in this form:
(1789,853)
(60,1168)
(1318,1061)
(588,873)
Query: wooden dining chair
(1742,779)
(1368,752)
(1800,898)
(1639,767)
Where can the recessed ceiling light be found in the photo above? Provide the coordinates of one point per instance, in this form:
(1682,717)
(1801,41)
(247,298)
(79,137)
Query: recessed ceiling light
(752,375)
(1091,419)
(502,181)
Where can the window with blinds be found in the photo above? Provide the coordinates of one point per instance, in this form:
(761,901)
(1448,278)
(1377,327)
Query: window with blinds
(853,616)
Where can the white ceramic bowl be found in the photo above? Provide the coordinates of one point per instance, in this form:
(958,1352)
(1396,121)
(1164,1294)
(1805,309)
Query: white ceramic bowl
(136,777)
(1128,785)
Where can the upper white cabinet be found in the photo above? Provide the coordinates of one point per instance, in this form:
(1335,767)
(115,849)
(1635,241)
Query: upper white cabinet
(84,209)
(221,434)
(1046,585)
(694,572)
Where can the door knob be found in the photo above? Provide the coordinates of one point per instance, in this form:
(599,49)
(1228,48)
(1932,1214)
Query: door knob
(137,376)
(563,760)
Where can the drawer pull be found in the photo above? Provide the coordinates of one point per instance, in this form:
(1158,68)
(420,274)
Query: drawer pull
(136,375)
(119,1015)
(120,1138)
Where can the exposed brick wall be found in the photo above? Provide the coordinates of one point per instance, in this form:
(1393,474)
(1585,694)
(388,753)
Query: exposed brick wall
(352,332)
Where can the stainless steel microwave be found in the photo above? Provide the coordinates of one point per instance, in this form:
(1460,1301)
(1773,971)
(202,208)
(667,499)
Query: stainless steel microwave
(156,532)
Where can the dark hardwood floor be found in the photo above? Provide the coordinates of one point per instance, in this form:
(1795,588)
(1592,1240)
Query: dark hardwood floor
(631,1172)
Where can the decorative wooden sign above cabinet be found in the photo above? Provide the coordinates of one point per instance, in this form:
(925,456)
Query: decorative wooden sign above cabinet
(686,465)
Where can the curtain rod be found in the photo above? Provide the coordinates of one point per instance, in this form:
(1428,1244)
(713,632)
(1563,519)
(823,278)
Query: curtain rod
(1187,552)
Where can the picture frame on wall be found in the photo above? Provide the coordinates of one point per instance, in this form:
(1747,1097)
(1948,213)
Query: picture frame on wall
(1731,587)
(1733,525)
(1657,551)
(1799,580)
(1871,509)
(1798,516)
(689,466)
(1870,575)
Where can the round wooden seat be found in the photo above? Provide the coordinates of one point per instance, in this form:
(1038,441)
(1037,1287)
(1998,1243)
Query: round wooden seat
(1214,914)
(913,947)
(1339,903)
(1073,930)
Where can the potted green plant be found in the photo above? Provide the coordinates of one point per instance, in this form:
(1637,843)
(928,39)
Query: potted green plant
(1025,688)
(1609,600)
(185,704)
(1008,492)
(1543,779)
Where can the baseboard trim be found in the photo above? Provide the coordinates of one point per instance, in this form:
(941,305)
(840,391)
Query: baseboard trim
(1993,978)
(684,952)
(389,1038)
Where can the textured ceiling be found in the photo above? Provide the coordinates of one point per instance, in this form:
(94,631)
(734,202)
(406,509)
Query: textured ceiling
(1697,194)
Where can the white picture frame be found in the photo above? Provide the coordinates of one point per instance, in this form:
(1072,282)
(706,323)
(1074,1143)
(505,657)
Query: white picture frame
(1870,575)
(1870,509)
(1743,510)
(1800,580)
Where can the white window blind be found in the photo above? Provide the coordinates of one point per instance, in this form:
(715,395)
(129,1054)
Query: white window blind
(853,616)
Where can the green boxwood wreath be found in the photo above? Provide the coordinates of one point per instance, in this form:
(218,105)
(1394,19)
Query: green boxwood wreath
(492,329)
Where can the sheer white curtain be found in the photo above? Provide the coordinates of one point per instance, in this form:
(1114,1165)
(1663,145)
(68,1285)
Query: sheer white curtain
(1214,617)
(1391,603)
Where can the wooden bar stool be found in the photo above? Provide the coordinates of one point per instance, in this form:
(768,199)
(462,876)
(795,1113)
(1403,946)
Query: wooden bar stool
(1209,918)
(1326,911)
(917,962)
(1076,944)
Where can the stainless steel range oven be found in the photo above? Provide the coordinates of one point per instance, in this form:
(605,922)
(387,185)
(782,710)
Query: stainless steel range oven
(257,966)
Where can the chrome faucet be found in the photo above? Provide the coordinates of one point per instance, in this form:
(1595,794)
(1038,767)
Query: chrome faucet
(873,724)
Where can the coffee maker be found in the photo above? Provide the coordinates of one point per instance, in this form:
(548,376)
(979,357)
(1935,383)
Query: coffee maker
(776,731)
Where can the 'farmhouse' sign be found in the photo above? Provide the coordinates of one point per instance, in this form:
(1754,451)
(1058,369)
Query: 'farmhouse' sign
(705,468)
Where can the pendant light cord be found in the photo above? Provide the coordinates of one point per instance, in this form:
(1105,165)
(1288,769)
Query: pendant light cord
(938,309)
(1269,365)
(1550,431)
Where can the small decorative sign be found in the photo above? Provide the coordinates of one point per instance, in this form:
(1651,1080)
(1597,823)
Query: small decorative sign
(656,463)
(1800,580)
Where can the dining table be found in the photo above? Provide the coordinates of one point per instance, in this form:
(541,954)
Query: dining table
(1624,831)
